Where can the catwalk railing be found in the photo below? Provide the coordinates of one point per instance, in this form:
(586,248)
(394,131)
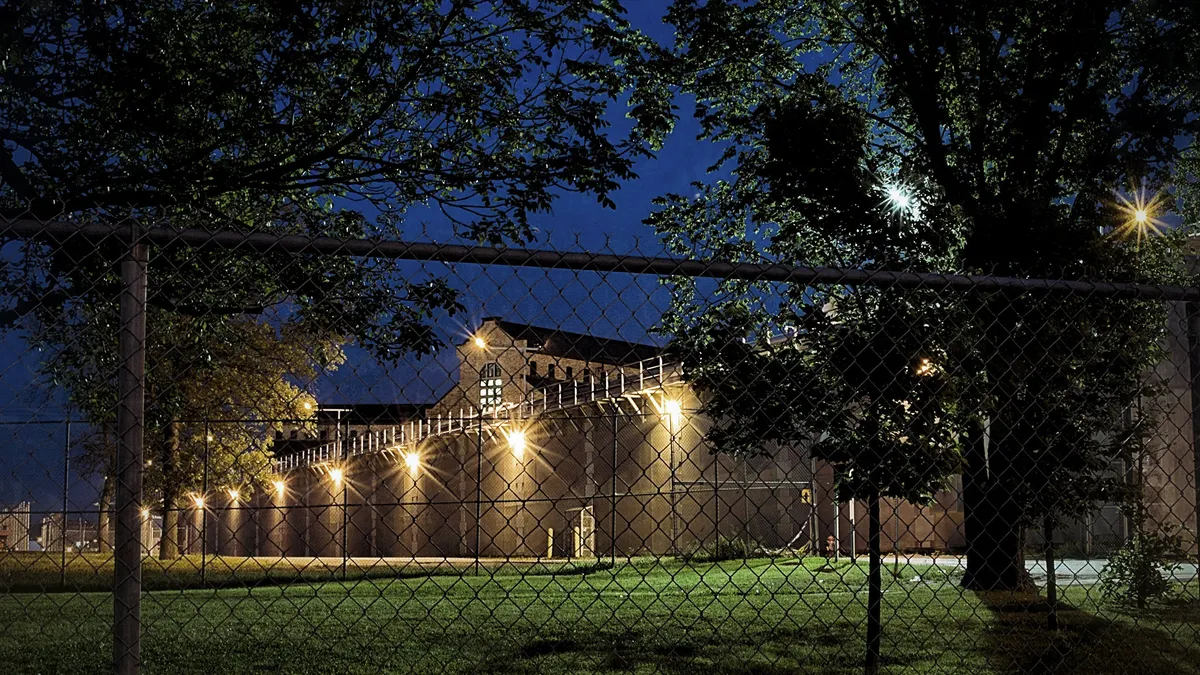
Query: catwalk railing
(644,377)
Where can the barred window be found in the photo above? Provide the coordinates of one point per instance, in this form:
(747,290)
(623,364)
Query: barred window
(491,389)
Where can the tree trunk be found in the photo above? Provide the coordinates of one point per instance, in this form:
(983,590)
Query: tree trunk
(995,559)
(168,547)
(874,589)
(1051,581)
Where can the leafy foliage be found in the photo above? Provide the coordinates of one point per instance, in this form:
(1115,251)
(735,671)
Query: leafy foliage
(317,118)
(1140,572)
(998,132)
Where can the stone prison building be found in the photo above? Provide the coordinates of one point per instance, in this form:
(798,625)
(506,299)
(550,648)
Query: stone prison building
(554,444)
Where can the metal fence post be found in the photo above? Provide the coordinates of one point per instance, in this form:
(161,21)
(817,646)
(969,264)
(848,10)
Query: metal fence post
(1193,343)
(127,577)
(478,487)
(612,516)
(65,503)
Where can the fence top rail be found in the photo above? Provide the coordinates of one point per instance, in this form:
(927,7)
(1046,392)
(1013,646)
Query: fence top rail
(583,261)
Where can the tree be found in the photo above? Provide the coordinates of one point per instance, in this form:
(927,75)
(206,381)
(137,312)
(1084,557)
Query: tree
(1022,118)
(320,118)
(862,378)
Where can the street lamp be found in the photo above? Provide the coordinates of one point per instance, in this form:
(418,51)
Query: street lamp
(672,412)
(516,443)
(336,475)
(480,343)
(413,461)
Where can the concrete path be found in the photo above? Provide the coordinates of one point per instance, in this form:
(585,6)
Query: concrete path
(1071,572)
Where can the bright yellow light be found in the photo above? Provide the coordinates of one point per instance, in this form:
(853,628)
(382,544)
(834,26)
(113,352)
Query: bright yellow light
(413,460)
(480,342)
(146,514)
(925,367)
(1141,213)
(280,488)
(210,437)
(307,405)
(672,411)
(516,443)
(336,476)
(233,495)
(199,502)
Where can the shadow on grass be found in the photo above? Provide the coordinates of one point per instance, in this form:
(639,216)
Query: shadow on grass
(1157,640)
(828,649)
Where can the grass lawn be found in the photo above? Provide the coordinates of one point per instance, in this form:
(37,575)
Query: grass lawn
(756,617)
(43,572)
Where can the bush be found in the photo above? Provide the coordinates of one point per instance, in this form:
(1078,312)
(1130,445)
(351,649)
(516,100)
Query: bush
(1142,570)
(725,548)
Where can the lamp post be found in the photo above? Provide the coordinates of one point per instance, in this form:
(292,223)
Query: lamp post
(673,414)
(341,480)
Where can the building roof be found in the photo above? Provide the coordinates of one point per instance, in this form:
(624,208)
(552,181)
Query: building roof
(565,344)
(370,414)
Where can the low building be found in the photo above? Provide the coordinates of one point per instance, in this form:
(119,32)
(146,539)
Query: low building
(14,528)
(80,535)
(551,443)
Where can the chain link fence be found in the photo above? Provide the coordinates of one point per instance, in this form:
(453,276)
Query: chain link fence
(264,452)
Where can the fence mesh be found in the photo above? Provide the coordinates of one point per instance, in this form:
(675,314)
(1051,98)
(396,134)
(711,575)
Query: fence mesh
(369,456)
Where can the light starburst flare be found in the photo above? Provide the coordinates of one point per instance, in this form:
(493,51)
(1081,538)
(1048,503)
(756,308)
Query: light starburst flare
(899,199)
(1141,212)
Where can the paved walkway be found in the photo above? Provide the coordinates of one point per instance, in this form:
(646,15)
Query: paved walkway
(1071,572)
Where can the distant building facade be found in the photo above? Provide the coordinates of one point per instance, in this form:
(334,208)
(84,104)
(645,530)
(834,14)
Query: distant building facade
(554,444)
(79,535)
(14,528)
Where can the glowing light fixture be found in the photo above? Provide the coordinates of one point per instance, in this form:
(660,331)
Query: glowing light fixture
(336,476)
(146,514)
(233,495)
(413,461)
(673,411)
(480,342)
(925,367)
(198,501)
(308,405)
(280,487)
(516,442)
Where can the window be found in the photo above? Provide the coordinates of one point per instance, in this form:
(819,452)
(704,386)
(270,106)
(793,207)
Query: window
(354,433)
(279,435)
(570,373)
(293,434)
(491,390)
(533,368)
(550,371)
(324,434)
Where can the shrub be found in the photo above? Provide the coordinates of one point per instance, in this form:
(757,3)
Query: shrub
(1142,570)
(725,548)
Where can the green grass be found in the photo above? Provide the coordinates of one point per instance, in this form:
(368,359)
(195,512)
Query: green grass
(88,572)
(757,617)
